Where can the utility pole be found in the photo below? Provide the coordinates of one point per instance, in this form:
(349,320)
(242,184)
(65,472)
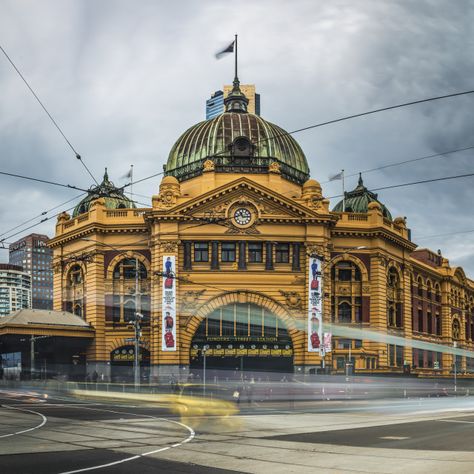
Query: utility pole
(204,350)
(455,368)
(137,328)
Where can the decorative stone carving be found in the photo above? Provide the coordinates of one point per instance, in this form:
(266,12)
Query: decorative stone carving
(208,166)
(190,299)
(63,217)
(315,249)
(170,191)
(293,299)
(274,168)
(169,246)
(252,230)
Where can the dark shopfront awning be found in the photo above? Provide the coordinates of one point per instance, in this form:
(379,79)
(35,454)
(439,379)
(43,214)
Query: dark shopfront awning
(41,322)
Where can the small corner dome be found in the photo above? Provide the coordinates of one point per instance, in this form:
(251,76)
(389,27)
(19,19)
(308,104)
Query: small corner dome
(361,200)
(114,198)
(311,183)
(169,180)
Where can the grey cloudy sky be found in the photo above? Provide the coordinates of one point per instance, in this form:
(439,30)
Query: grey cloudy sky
(125,79)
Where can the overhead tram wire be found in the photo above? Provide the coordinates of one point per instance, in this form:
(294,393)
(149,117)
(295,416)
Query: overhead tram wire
(42,214)
(398,163)
(413,183)
(45,181)
(78,156)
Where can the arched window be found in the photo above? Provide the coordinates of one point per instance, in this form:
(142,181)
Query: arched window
(456,329)
(345,313)
(394,299)
(130,292)
(420,287)
(74,297)
(346,292)
(428,289)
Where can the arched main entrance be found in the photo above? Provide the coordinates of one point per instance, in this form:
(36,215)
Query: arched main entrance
(121,364)
(242,338)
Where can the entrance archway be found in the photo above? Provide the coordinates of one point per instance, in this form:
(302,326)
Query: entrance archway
(121,364)
(242,338)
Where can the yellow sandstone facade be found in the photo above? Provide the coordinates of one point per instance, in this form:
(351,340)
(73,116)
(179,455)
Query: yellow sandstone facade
(239,214)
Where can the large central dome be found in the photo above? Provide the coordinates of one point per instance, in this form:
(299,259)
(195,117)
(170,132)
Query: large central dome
(237,141)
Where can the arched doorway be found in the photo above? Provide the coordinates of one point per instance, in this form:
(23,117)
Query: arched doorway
(242,338)
(121,364)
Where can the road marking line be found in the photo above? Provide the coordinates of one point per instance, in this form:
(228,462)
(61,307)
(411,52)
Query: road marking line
(394,437)
(456,421)
(133,458)
(29,429)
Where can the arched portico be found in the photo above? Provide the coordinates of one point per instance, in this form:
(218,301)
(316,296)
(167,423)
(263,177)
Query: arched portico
(242,331)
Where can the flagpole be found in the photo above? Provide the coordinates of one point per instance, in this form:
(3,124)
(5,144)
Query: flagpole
(236,57)
(343,193)
(131,182)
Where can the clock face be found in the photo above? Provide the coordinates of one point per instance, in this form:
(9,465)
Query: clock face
(242,216)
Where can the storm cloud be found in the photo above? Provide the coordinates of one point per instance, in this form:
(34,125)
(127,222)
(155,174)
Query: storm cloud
(125,79)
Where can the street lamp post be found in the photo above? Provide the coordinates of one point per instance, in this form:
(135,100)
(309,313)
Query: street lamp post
(138,315)
(204,351)
(455,368)
(33,339)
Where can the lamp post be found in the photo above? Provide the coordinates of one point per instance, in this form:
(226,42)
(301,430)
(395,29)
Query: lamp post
(323,268)
(138,316)
(204,351)
(33,339)
(455,344)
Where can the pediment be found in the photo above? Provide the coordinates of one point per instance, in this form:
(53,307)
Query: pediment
(270,205)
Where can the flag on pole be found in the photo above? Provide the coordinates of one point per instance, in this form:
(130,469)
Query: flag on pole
(227,49)
(128,175)
(334,177)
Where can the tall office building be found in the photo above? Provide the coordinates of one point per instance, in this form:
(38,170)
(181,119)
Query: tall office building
(32,253)
(215,104)
(15,289)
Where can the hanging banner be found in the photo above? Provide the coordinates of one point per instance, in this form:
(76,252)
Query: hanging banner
(327,342)
(168,338)
(315,306)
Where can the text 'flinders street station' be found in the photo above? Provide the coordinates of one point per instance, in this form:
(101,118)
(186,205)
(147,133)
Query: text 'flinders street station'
(240,260)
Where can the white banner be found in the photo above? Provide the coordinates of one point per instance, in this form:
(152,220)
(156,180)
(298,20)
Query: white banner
(168,338)
(315,305)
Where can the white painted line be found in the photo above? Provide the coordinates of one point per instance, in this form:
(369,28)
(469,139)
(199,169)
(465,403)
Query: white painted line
(395,437)
(192,434)
(43,422)
(456,421)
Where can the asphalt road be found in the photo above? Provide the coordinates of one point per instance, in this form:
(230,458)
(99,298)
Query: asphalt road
(62,435)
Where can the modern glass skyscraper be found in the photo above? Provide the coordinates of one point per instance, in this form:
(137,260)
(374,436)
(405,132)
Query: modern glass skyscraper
(32,253)
(15,289)
(215,104)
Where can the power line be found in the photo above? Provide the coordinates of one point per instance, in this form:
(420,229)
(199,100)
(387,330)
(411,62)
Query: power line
(53,183)
(42,214)
(446,234)
(414,183)
(78,156)
(412,160)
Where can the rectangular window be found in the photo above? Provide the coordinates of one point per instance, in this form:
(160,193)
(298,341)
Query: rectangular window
(344,274)
(282,253)
(399,360)
(255,250)
(420,320)
(228,252)
(430,323)
(201,252)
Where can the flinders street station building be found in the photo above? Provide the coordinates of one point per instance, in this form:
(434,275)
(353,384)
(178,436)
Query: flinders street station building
(240,260)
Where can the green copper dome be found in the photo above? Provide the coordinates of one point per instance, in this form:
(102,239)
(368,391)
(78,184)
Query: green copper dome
(358,200)
(237,141)
(114,197)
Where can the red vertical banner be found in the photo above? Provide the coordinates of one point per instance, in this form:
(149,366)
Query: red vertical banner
(315,306)
(168,341)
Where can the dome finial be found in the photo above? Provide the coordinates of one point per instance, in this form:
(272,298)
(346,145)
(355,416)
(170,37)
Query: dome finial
(236,100)
(106,175)
(360,182)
